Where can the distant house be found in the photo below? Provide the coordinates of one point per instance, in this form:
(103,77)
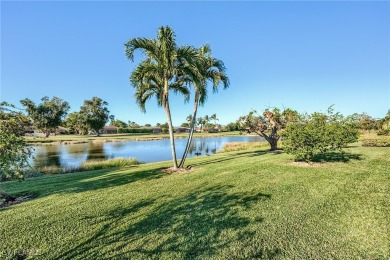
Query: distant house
(28,130)
(62,130)
(156,130)
(109,130)
(182,130)
(32,130)
(213,130)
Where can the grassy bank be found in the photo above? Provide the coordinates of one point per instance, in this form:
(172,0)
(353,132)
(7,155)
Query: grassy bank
(74,139)
(85,166)
(242,204)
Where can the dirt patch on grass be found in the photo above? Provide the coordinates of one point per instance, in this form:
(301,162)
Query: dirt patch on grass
(306,164)
(18,199)
(180,170)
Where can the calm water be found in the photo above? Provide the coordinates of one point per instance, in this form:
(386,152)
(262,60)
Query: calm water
(72,155)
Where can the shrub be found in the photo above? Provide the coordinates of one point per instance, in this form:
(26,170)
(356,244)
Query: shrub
(384,132)
(317,134)
(135,130)
(382,142)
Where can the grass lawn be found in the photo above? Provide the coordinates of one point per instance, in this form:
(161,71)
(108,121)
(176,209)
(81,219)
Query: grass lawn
(242,204)
(55,139)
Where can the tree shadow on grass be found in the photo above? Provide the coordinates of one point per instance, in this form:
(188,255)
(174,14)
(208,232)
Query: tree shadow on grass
(233,157)
(202,224)
(102,179)
(337,157)
(87,181)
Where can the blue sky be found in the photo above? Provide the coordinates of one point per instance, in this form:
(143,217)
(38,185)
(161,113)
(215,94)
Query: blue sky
(303,55)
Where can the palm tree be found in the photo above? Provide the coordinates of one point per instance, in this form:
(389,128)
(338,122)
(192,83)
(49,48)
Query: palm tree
(214,117)
(189,119)
(208,69)
(206,119)
(161,72)
(200,121)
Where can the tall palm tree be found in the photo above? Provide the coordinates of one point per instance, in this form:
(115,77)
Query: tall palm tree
(200,121)
(189,119)
(206,119)
(161,72)
(207,69)
(214,117)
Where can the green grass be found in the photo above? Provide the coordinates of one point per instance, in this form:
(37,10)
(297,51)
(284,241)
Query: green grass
(244,204)
(240,146)
(71,139)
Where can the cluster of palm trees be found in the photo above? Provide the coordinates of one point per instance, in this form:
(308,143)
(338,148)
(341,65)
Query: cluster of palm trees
(205,121)
(168,68)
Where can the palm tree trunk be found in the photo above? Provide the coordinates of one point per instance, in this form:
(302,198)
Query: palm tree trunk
(192,129)
(171,136)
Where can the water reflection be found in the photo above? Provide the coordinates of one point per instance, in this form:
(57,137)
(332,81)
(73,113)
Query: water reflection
(96,151)
(145,151)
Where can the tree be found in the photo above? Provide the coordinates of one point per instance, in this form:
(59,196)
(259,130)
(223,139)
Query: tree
(214,117)
(14,153)
(364,121)
(319,133)
(75,122)
(112,119)
(233,126)
(384,125)
(133,124)
(269,125)
(161,72)
(117,123)
(207,69)
(48,115)
(206,120)
(95,113)
(200,121)
(189,119)
(164,127)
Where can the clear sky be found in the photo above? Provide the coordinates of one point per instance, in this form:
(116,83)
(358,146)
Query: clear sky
(303,55)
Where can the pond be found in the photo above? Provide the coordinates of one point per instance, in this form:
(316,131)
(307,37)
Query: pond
(72,155)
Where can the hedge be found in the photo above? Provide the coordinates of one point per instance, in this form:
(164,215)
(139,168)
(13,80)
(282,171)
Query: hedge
(135,130)
(380,142)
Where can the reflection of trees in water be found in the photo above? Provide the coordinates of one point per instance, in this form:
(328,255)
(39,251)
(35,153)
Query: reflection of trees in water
(118,145)
(192,148)
(202,147)
(77,151)
(214,149)
(96,151)
(47,155)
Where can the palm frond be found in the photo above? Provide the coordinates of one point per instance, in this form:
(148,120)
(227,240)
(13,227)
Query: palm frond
(148,46)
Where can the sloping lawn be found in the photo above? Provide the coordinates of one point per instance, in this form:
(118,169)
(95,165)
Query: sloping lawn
(245,204)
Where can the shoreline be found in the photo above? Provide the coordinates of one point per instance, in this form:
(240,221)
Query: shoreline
(67,139)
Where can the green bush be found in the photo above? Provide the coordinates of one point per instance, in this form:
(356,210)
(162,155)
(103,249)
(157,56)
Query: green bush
(382,142)
(384,132)
(318,134)
(135,130)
